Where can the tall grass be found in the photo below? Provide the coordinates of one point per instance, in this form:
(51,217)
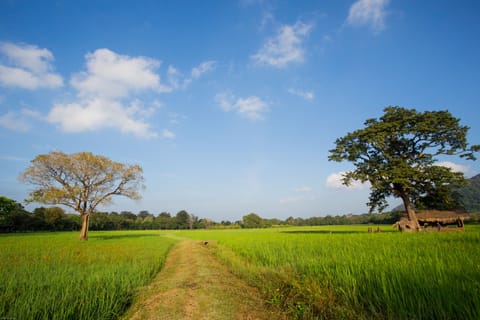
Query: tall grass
(55,276)
(345,272)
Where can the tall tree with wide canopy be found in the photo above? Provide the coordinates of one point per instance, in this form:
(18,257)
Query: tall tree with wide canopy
(397,153)
(81,181)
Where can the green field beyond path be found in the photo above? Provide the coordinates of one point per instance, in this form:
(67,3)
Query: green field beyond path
(311,273)
(344,272)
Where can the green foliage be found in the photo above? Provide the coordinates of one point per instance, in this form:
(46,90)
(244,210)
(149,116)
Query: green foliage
(14,218)
(9,205)
(182,219)
(459,198)
(252,220)
(397,153)
(50,276)
(81,180)
(12,215)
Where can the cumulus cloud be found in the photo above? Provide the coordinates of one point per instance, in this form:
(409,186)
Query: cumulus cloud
(285,47)
(109,89)
(334,181)
(307,95)
(455,167)
(107,93)
(112,75)
(368,12)
(252,108)
(27,67)
(97,113)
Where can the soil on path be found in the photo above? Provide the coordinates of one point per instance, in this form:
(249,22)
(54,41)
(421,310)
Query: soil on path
(195,285)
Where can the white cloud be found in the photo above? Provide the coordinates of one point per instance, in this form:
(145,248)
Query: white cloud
(251,107)
(176,79)
(97,113)
(31,113)
(368,12)
(285,47)
(455,167)
(29,67)
(334,181)
(203,68)
(13,121)
(112,75)
(108,91)
(19,121)
(307,95)
(167,134)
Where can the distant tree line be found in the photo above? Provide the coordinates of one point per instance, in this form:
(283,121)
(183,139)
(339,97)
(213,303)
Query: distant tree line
(15,218)
(252,220)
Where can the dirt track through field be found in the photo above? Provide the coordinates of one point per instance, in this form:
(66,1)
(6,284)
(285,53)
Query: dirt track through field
(195,285)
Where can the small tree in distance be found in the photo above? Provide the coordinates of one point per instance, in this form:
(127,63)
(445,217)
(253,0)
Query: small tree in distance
(252,220)
(81,181)
(397,153)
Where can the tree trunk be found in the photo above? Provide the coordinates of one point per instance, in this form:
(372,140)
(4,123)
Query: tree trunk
(84,232)
(412,216)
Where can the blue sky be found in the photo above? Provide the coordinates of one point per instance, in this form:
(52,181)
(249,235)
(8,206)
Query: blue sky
(230,107)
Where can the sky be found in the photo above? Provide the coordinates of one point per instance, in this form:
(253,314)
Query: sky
(230,107)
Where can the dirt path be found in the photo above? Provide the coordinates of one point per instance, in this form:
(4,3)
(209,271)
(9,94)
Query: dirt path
(194,285)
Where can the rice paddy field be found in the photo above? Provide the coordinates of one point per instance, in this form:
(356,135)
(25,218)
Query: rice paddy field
(55,276)
(347,273)
(312,272)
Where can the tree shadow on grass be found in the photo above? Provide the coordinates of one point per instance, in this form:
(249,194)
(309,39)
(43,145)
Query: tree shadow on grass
(123,236)
(334,231)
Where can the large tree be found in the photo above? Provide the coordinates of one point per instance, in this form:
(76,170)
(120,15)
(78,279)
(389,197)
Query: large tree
(397,153)
(81,181)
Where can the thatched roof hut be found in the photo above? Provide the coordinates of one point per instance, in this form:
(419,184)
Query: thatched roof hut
(434,218)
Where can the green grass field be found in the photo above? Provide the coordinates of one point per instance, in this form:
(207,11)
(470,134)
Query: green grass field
(55,276)
(345,272)
(314,273)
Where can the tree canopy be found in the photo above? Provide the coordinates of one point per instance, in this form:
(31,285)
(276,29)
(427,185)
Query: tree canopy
(81,181)
(396,154)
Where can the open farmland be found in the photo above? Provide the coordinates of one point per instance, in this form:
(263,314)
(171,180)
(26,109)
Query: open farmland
(311,273)
(344,272)
(55,276)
